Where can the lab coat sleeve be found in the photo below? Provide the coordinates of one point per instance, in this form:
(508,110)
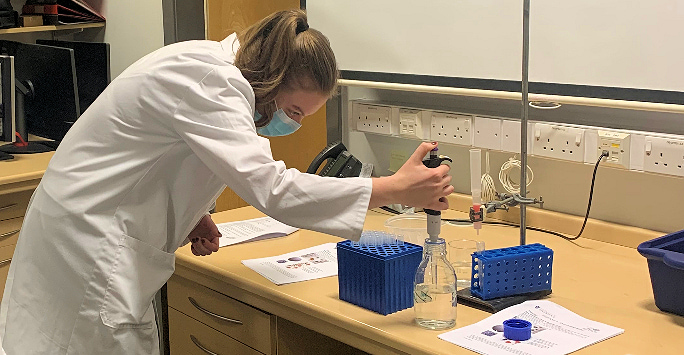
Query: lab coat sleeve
(215,120)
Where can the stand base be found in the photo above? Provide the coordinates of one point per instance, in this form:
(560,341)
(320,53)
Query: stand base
(496,304)
(5,156)
(31,148)
(51,144)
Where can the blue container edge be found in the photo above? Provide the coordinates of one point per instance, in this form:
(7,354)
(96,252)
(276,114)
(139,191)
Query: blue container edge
(664,266)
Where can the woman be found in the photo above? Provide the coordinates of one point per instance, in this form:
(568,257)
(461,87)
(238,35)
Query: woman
(137,173)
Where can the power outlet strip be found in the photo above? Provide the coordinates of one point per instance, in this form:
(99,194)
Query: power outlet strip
(559,142)
(487,133)
(372,118)
(664,156)
(451,128)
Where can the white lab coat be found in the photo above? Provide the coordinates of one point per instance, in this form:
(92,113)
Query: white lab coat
(131,179)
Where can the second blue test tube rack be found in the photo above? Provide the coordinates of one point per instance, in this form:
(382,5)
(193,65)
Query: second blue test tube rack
(511,271)
(378,278)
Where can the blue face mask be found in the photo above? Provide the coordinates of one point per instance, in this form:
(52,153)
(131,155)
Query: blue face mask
(281,124)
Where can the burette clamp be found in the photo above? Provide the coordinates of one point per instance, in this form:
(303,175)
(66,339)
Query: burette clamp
(476,216)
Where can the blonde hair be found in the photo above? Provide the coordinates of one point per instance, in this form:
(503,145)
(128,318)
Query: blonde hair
(282,51)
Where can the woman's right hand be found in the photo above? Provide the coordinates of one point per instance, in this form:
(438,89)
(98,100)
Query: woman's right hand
(414,184)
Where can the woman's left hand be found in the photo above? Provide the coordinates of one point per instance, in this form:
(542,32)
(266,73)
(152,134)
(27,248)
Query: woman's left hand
(205,237)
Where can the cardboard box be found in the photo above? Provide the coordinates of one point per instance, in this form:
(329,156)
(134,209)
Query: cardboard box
(30,20)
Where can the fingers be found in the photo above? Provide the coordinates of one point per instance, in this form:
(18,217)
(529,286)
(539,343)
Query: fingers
(446,180)
(212,244)
(422,151)
(199,249)
(205,246)
(442,170)
(440,205)
(213,229)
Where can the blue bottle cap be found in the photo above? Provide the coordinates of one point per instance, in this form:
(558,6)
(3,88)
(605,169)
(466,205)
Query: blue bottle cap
(517,329)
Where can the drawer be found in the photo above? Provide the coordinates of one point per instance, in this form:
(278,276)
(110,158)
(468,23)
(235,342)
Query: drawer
(187,336)
(14,205)
(247,324)
(9,231)
(5,259)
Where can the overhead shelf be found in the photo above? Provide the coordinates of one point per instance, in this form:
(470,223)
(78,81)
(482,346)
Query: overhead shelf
(75,26)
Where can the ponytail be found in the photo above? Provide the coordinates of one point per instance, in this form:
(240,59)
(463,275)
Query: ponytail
(281,50)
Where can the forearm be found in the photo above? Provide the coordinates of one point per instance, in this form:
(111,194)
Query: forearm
(385,192)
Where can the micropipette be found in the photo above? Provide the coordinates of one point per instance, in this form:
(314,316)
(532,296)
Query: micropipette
(434,218)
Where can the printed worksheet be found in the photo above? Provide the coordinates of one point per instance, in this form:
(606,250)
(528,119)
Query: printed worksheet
(302,265)
(252,230)
(555,330)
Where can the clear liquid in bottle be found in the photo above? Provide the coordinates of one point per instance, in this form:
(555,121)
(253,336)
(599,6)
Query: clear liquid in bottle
(434,292)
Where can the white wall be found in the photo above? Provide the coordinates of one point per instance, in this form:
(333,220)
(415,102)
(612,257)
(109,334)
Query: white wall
(613,43)
(134,29)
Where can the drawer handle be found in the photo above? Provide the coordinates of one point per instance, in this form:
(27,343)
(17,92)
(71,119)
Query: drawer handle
(8,234)
(8,207)
(200,346)
(2,263)
(194,303)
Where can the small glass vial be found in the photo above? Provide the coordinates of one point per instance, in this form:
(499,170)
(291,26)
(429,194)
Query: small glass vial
(434,288)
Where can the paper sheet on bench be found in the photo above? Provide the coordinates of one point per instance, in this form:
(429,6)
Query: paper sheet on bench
(302,265)
(251,230)
(555,330)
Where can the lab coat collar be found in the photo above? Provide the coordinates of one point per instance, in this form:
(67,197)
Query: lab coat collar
(231,45)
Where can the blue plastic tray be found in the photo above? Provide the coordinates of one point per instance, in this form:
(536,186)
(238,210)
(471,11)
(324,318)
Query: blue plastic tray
(511,271)
(378,278)
(666,265)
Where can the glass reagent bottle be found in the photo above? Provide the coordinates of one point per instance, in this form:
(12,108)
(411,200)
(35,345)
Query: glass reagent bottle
(434,291)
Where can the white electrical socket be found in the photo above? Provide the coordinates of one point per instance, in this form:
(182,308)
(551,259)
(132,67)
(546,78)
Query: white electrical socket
(664,155)
(411,123)
(487,133)
(372,118)
(451,128)
(636,152)
(510,136)
(617,144)
(560,142)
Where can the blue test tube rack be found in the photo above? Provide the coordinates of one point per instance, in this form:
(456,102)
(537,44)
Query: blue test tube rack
(378,278)
(511,271)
